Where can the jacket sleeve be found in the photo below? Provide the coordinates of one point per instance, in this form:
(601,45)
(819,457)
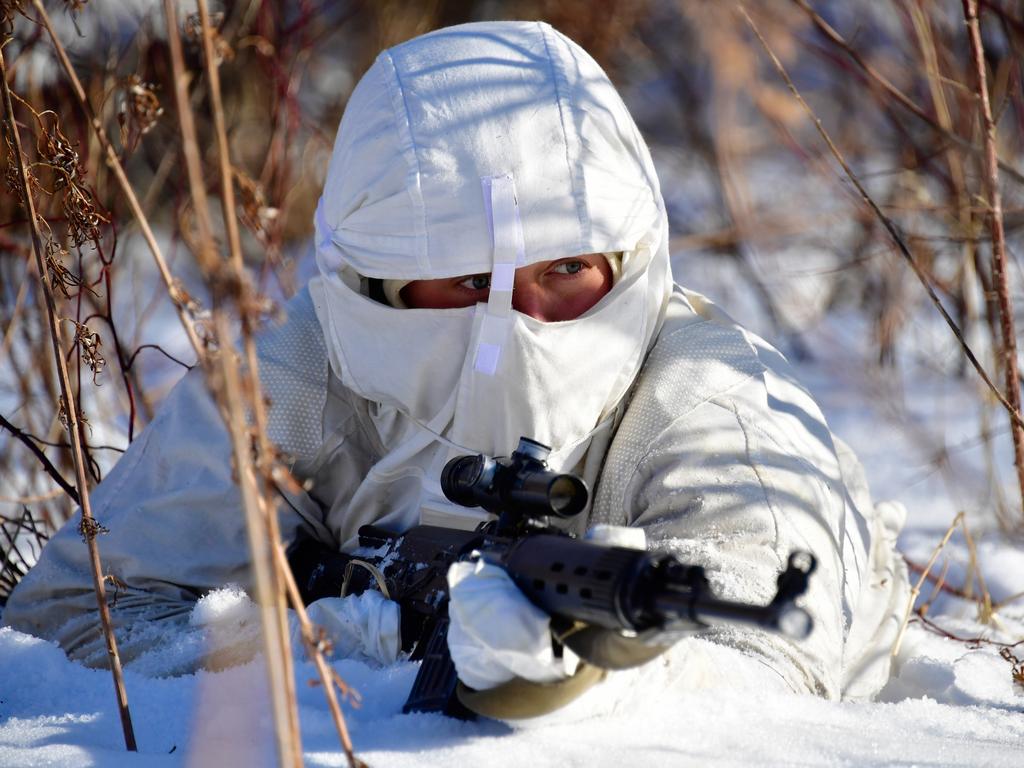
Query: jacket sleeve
(172,516)
(725,461)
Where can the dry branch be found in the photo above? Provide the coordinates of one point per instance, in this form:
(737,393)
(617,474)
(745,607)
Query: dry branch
(231,393)
(329,680)
(1008,353)
(45,462)
(916,589)
(89,526)
(232,386)
(265,452)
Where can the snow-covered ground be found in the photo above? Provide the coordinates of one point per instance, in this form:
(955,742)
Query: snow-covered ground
(950,703)
(61,714)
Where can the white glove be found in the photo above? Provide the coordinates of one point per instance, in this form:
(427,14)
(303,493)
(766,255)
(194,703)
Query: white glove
(364,626)
(496,633)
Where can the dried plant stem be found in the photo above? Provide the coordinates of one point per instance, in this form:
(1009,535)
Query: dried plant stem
(33,499)
(890,227)
(19,305)
(1009,349)
(206,253)
(958,176)
(265,451)
(122,180)
(227,188)
(232,394)
(886,85)
(328,679)
(88,525)
(268,588)
(985,610)
(915,591)
(1007,600)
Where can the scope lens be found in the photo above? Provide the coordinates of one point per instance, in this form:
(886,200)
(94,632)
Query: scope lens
(567,495)
(459,478)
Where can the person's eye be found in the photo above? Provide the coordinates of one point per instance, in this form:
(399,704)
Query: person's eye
(572,267)
(476,282)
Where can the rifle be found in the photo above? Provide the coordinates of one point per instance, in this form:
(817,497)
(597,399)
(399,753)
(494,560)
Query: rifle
(619,605)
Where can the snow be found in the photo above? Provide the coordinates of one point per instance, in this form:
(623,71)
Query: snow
(59,713)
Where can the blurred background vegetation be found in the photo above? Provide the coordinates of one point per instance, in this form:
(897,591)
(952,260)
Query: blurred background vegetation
(763,218)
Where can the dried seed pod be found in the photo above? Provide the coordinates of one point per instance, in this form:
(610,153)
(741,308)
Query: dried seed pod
(138,110)
(89,343)
(253,210)
(56,151)
(62,278)
(194,33)
(12,179)
(62,417)
(90,529)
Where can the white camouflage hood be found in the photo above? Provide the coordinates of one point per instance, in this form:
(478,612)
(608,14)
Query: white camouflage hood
(477,149)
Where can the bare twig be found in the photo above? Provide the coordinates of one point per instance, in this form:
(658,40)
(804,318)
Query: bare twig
(328,678)
(916,589)
(261,547)
(890,227)
(985,610)
(940,582)
(34,498)
(47,465)
(1008,353)
(131,360)
(931,626)
(89,525)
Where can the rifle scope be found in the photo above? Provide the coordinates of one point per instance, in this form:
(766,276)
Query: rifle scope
(522,483)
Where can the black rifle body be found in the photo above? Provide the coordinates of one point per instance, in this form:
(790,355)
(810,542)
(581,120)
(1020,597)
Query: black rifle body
(634,592)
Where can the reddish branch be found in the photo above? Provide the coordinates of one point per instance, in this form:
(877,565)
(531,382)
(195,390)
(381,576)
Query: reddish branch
(931,626)
(1002,284)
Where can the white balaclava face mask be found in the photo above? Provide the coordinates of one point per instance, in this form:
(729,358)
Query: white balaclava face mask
(479,149)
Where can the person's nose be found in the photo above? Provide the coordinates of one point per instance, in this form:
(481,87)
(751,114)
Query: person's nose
(530,300)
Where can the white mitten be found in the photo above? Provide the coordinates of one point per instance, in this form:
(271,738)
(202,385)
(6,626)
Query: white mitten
(496,633)
(359,626)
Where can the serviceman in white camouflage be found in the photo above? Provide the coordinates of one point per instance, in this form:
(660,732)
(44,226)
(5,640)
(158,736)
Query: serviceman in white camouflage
(493,253)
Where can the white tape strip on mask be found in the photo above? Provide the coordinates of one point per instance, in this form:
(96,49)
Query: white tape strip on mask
(507,234)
